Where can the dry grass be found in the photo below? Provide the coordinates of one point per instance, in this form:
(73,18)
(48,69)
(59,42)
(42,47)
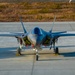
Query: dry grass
(37,11)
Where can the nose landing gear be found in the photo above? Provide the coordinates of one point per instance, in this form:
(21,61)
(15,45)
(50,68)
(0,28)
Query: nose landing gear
(37,55)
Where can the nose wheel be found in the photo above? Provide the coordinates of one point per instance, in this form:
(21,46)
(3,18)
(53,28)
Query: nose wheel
(37,55)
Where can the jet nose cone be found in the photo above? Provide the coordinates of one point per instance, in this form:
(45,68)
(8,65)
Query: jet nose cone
(32,39)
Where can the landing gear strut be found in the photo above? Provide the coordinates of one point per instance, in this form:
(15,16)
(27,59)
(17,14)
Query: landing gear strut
(37,55)
(18,51)
(56,50)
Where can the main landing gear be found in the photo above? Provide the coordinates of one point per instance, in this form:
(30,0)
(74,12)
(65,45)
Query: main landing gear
(18,51)
(56,50)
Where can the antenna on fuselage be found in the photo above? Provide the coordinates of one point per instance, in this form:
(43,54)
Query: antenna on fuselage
(23,25)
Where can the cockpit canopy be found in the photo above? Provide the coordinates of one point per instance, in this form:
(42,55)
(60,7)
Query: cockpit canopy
(37,31)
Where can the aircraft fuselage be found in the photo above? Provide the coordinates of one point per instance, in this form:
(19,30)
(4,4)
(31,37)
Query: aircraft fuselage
(37,37)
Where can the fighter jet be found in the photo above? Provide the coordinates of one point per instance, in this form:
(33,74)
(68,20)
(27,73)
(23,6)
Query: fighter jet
(37,38)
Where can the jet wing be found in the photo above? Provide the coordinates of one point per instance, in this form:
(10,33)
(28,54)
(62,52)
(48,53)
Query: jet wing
(64,34)
(9,34)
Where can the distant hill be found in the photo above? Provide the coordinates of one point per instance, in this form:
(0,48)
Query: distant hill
(35,0)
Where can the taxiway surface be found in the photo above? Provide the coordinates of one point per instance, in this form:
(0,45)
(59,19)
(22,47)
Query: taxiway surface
(48,64)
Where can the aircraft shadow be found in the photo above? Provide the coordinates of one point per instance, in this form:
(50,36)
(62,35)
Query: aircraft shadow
(66,56)
(67,46)
(8,52)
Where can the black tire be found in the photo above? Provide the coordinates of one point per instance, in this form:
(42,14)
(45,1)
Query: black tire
(56,50)
(37,57)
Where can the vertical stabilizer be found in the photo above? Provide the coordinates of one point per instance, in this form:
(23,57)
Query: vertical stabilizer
(53,24)
(23,25)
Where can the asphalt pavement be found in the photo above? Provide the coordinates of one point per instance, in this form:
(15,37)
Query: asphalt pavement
(49,63)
